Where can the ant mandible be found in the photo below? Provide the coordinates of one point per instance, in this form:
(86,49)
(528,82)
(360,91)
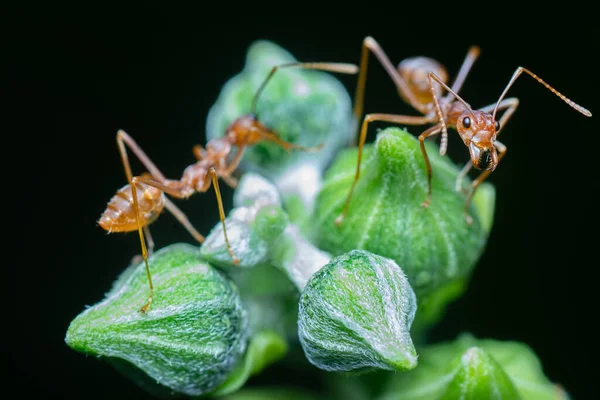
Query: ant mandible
(414,79)
(141,201)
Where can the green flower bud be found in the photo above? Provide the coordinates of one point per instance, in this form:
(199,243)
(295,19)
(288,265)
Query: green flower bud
(261,234)
(188,341)
(434,245)
(305,107)
(260,222)
(256,220)
(478,376)
(355,314)
(474,369)
(253,190)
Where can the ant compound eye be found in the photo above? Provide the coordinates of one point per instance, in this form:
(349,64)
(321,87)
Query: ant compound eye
(497,126)
(466,122)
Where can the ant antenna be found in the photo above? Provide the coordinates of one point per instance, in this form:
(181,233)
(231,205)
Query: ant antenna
(439,80)
(519,71)
(342,68)
(444,141)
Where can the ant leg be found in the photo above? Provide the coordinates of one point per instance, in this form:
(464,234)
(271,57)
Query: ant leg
(229,180)
(475,184)
(369,44)
(461,175)
(287,145)
(173,209)
(215,182)
(398,119)
(434,130)
(199,152)
(150,246)
(564,98)
(236,161)
(440,114)
(123,140)
(472,55)
(433,77)
(183,220)
(142,242)
(342,68)
(149,240)
(225,171)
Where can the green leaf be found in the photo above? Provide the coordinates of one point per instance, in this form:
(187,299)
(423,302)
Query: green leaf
(474,369)
(302,106)
(434,246)
(190,338)
(264,349)
(355,314)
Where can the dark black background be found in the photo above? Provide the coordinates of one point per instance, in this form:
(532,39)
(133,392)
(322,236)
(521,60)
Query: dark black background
(74,78)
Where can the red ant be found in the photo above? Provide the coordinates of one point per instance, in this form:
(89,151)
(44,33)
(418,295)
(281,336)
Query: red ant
(414,79)
(141,201)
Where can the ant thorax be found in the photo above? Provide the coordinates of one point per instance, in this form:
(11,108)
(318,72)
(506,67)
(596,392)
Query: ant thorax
(415,71)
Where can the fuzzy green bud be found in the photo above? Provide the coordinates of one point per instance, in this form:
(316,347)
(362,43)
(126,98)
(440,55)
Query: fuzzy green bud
(434,245)
(355,314)
(474,369)
(302,106)
(190,338)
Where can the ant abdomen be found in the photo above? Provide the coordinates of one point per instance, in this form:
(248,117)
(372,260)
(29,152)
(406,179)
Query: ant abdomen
(415,71)
(119,215)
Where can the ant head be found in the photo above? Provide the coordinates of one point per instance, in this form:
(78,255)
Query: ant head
(244,130)
(415,71)
(478,131)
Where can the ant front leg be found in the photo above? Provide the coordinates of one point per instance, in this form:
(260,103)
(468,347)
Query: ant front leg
(398,119)
(434,130)
(440,114)
(461,175)
(288,146)
(482,177)
(225,171)
(215,182)
(341,68)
